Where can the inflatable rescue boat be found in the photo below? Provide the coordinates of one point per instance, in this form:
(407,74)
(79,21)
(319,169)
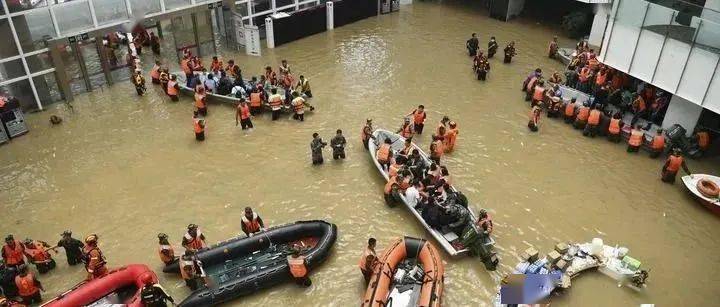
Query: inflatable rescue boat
(410,273)
(120,287)
(241,266)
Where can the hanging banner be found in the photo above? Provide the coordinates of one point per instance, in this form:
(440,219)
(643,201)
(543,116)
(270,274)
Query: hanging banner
(252,40)
(239,28)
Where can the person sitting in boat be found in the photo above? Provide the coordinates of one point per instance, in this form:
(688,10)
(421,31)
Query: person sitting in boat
(384,154)
(672,165)
(251,222)
(37,253)
(193,239)
(238,91)
(460,217)
(6,302)
(369,260)
(165,250)
(485,222)
(397,163)
(95,263)
(298,268)
(191,270)
(153,294)
(407,149)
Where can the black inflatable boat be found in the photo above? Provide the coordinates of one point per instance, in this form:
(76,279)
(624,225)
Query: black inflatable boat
(241,266)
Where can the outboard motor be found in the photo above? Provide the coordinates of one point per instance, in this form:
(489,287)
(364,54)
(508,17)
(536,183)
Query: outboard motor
(677,139)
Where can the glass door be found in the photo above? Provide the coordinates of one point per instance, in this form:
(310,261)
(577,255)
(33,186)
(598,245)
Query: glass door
(184,35)
(92,65)
(205,33)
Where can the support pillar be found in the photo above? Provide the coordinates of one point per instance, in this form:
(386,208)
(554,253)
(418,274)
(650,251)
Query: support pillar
(683,112)
(330,11)
(269,33)
(104,63)
(61,74)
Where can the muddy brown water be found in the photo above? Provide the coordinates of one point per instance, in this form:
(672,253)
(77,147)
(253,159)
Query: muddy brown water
(127,168)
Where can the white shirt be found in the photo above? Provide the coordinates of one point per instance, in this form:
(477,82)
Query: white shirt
(236,89)
(210,84)
(412,195)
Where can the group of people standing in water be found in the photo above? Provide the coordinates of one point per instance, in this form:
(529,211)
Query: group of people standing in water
(481,65)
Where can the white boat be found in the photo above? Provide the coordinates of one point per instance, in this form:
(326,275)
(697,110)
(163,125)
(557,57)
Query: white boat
(691,185)
(444,239)
(612,261)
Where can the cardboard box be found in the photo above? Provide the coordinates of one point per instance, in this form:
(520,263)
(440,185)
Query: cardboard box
(561,248)
(553,257)
(530,255)
(562,265)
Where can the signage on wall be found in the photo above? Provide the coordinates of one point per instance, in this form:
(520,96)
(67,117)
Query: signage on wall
(76,38)
(239,28)
(214,5)
(84,36)
(252,40)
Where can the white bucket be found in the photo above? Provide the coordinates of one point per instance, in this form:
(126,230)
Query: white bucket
(597,246)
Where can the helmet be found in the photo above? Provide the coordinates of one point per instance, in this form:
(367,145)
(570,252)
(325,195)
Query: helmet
(162,236)
(147,278)
(192,226)
(91,238)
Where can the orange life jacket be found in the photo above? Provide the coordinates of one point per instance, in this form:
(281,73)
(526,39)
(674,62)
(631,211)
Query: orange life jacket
(364,136)
(601,78)
(418,117)
(169,257)
(196,242)
(199,100)
(583,114)
(298,105)
(594,117)
(389,185)
(635,137)
(449,140)
(658,142)
(592,63)
(438,150)
(26,285)
(534,116)
(538,94)
(171,90)
(251,225)
(297,266)
(216,65)
(270,76)
(197,127)
(614,127)
(674,163)
(404,184)
(570,109)
(13,256)
(617,80)
(37,253)
(584,74)
(244,111)
(363,259)
(255,100)
(383,153)
(640,104)
(703,140)
(275,101)
(393,170)
(187,269)
(184,66)
(155,72)
(407,131)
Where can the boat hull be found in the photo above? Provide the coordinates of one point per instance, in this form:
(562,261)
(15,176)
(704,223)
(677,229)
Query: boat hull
(691,186)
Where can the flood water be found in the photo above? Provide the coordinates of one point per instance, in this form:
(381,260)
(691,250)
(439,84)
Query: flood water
(128,168)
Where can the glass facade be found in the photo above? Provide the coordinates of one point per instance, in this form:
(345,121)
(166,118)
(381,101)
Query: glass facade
(27,70)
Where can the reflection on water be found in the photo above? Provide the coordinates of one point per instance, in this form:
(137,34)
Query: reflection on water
(128,168)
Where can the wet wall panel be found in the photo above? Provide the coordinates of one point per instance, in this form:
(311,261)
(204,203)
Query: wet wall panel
(349,11)
(712,99)
(300,24)
(670,66)
(698,73)
(644,62)
(625,32)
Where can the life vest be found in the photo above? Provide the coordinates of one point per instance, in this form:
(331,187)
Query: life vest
(534,116)
(3,101)
(363,259)
(635,137)
(486,224)
(600,78)
(583,114)
(275,101)
(674,163)
(407,131)
(14,256)
(195,243)
(584,74)
(703,140)
(594,117)
(364,136)
(418,117)
(297,266)
(271,77)
(538,94)
(88,258)
(155,72)
(570,109)
(383,153)
(184,65)
(170,253)
(197,127)
(37,253)
(244,111)
(252,226)
(393,169)
(187,269)
(216,65)
(172,91)
(614,127)
(26,285)
(255,100)
(617,80)
(438,149)
(658,143)
(449,139)
(305,85)
(552,48)
(390,184)
(592,63)
(299,105)
(640,104)
(199,100)
(139,80)
(404,184)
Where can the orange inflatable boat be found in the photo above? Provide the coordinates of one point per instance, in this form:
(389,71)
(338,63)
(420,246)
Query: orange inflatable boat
(410,273)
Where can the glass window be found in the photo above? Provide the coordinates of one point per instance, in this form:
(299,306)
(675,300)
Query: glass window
(141,8)
(108,11)
(21,5)
(281,3)
(2,10)
(39,62)
(260,6)
(11,70)
(7,48)
(173,4)
(73,17)
(242,9)
(47,88)
(33,29)
(23,92)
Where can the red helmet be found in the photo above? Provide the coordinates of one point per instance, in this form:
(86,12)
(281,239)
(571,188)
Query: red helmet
(147,278)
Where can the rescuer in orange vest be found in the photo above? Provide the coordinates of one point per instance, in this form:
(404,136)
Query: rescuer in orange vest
(12,252)
(658,144)
(95,263)
(28,286)
(251,222)
(298,268)
(193,239)
(672,165)
(165,250)
(636,139)
(37,252)
(593,120)
(615,128)
(369,260)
